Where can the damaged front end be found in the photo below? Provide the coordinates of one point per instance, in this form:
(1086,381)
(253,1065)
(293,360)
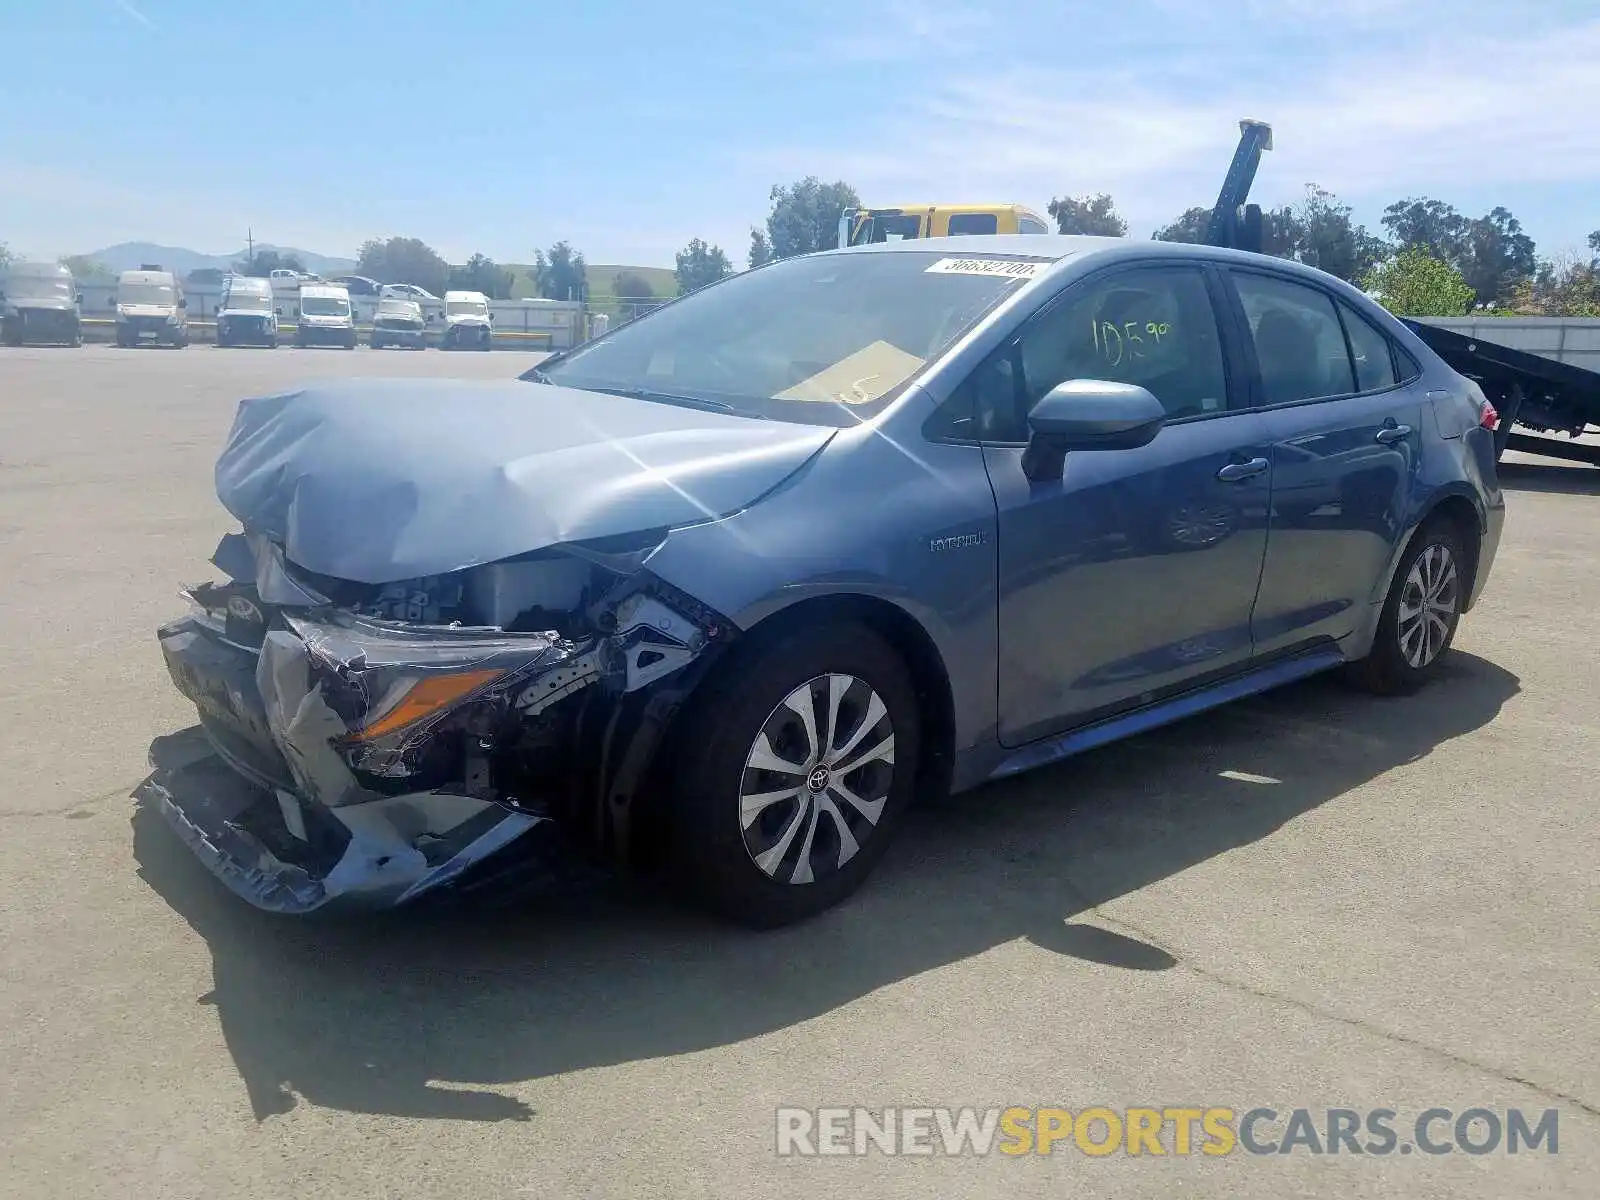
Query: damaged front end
(367,744)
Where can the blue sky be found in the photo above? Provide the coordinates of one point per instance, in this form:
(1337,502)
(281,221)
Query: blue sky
(629,127)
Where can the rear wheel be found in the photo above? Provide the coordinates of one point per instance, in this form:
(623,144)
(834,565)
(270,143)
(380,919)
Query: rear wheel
(1420,614)
(793,771)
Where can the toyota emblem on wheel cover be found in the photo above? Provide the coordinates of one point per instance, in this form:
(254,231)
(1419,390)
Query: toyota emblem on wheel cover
(818,779)
(244,610)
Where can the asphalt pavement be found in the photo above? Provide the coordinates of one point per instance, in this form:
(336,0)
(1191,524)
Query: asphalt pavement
(1311,899)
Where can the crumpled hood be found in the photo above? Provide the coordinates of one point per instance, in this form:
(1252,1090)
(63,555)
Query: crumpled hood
(378,480)
(465,319)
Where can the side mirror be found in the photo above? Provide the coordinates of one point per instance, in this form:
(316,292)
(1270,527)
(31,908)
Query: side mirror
(79,299)
(1088,414)
(183,302)
(491,318)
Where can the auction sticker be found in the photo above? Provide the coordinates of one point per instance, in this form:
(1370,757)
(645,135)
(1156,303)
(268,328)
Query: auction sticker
(1007,268)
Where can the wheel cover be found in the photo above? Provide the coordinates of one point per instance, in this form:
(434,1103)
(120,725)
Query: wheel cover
(816,779)
(1429,601)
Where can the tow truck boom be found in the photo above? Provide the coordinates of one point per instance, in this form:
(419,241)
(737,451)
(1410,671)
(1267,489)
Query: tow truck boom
(1234,223)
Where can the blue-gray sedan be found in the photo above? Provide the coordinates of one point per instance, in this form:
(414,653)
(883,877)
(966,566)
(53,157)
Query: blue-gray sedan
(724,590)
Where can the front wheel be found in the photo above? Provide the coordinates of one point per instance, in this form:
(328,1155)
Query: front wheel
(1420,614)
(794,768)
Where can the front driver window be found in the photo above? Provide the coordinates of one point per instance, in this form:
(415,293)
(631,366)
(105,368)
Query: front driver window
(1152,327)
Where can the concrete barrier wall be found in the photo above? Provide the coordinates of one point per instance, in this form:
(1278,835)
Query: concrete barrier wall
(559,321)
(1574,340)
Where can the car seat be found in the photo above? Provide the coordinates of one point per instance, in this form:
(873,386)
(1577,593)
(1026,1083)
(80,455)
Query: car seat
(1286,351)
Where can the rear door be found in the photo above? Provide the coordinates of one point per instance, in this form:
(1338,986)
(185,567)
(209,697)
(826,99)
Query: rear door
(1346,448)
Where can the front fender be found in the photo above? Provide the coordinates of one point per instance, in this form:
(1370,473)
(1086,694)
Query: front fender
(912,526)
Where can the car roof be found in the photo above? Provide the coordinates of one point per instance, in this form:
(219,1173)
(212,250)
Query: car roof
(1056,247)
(1050,246)
(331,288)
(465,296)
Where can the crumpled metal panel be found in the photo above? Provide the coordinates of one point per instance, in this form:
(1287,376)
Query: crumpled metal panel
(382,480)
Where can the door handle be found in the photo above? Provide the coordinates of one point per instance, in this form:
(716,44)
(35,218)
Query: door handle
(1236,471)
(1393,433)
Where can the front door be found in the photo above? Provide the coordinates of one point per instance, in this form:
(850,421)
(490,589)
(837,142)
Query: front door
(1133,575)
(1347,446)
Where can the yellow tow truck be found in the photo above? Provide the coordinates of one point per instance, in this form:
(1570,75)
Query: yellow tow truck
(860,226)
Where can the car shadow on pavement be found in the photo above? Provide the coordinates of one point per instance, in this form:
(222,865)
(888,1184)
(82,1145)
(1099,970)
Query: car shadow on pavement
(1569,479)
(426,1015)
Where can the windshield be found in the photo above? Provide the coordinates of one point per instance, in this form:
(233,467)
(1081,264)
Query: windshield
(146,293)
(37,287)
(324,306)
(826,339)
(467,308)
(885,227)
(398,308)
(248,302)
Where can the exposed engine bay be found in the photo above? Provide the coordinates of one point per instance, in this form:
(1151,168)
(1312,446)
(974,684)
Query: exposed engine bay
(382,738)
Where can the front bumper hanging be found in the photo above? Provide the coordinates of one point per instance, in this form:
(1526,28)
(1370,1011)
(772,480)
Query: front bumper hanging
(344,760)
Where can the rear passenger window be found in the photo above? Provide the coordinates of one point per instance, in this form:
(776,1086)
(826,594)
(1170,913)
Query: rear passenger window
(973,223)
(1029,225)
(1299,342)
(1370,350)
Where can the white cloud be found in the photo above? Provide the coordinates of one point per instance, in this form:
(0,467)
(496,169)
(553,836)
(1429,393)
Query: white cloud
(1367,117)
(897,31)
(133,12)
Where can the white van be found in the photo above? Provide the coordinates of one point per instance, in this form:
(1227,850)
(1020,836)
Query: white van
(247,313)
(151,308)
(468,324)
(325,317)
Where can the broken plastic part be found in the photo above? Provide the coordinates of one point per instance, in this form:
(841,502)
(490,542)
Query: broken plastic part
(374,760)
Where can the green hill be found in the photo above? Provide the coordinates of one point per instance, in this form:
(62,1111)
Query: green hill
(663,282)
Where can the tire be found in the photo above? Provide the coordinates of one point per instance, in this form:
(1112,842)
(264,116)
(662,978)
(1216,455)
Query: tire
(1399,663)
(757,874)
(375,342)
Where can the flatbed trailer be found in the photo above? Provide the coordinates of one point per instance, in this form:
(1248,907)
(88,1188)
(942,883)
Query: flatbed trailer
(1527,390)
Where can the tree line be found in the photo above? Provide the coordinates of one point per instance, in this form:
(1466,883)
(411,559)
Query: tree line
(1429,259)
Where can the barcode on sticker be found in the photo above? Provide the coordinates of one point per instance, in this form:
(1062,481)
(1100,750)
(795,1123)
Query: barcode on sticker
(987,266)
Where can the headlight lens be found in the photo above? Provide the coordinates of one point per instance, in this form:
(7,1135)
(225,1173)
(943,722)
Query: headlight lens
(417,699)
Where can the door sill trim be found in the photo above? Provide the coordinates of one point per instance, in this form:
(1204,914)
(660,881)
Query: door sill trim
(1185,704)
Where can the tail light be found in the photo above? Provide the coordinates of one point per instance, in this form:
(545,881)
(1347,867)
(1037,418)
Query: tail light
(1488,416)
